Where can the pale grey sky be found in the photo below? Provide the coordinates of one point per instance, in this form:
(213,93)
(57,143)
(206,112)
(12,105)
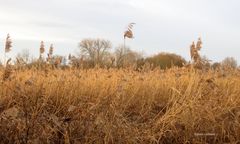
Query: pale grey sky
(161,25)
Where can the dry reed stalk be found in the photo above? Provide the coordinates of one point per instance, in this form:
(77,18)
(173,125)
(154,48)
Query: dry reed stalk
(121,106)
(7,71)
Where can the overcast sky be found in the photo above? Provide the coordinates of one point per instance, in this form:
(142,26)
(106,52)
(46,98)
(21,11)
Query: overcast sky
(161,25)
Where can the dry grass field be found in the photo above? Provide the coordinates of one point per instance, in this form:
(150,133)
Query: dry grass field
(119,106)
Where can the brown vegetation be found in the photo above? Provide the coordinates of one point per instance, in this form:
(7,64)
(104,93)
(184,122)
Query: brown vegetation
(119,106)
(166,60)
(120,97)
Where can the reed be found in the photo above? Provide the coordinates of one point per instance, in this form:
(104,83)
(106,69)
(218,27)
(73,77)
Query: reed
(120,106)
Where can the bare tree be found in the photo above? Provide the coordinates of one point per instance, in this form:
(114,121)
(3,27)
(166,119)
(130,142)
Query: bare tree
(229,62)
(95,49)
(119,53)
(23,57)
(126,57)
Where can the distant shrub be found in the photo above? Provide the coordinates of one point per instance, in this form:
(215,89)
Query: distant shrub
(229,62)
(216,65)
(166,60)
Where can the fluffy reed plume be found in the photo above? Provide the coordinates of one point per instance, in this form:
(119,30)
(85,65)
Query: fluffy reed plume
(194,51)
(51,50)
(128,33)
(8,44)
(199,44)
(42,50)
(50,53)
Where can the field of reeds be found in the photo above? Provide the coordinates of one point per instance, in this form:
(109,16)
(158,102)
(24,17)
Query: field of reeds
(119,106)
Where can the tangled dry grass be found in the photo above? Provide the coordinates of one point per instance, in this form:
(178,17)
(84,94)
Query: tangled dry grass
(119,106)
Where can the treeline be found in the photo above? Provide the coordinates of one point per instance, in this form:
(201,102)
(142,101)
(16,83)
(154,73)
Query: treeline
(100,53)
(97,53)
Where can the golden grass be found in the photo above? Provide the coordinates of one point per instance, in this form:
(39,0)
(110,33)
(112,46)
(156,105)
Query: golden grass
(120,106)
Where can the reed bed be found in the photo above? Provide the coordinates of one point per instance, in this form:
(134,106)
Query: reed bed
(119,106)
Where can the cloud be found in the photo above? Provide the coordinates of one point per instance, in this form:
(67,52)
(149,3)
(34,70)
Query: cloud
(161,25)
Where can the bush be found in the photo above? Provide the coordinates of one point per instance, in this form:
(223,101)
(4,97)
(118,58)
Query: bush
(166,60)
(229,62)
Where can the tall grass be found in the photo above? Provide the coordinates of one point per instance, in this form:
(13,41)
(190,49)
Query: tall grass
(120,106)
